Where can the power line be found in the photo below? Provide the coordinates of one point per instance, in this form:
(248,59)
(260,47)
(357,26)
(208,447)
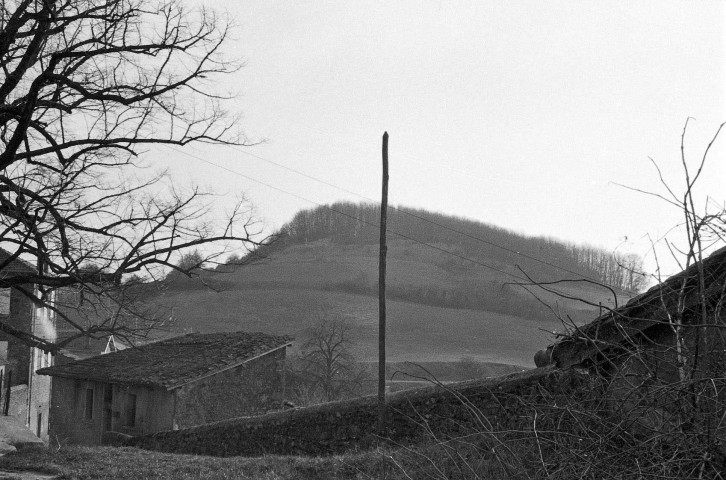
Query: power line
(327,207)
(427,164)
(424,219)
(527,281)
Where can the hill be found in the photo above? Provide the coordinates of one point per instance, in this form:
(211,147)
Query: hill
(357,224)
(451,295)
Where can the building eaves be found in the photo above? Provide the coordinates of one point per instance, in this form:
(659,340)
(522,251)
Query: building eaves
(619,326)
(173,362)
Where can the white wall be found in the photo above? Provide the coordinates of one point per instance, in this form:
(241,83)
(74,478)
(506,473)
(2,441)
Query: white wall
(39,386)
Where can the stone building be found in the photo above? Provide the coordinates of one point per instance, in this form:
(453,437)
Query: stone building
(646,325)
(30,394)
(176,383)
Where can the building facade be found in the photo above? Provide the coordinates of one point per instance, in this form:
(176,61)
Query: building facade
(30,394)
(176,383)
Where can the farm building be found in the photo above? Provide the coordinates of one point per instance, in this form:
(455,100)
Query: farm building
(176,383)
(649,349)
(649,321)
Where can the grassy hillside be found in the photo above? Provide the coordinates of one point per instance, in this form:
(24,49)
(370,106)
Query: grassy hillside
(415,332)
(441,307)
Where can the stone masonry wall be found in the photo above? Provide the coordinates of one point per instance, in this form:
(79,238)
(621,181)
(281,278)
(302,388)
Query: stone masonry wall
(20,317)
(253,388)
(337,427)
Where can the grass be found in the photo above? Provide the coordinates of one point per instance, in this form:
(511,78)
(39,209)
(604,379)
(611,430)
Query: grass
(81,463)
(465,369)
(415,332)
(282,294)
(75,462)
(563,435)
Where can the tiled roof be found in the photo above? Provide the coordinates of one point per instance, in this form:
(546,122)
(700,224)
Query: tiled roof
(644,311)
(173,362)
(17,265)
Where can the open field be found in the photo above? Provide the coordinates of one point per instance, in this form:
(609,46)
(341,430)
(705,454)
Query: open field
(407,375)
(438,309)
(465,369)
(415,332)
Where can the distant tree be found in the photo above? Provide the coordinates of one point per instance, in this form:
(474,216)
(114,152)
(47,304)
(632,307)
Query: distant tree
(189,265)
(634,277)
(622,271)
(190,261)
(234,259)
(325,369)
(350,223)
(133,280)
(86,87)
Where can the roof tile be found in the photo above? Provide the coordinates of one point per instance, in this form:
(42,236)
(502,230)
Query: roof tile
(173,362)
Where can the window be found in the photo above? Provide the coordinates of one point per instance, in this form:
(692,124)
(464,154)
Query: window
(4,301)
(89,403)
(131,411)
(43,359)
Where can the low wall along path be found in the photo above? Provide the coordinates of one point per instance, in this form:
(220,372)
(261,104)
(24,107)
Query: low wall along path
(337,427)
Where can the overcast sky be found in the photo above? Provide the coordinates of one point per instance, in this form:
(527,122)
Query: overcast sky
(523,114)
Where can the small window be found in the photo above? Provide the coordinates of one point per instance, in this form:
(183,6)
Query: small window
(108,393)
(5,301)
(131,411)
(44,359)
(89,403)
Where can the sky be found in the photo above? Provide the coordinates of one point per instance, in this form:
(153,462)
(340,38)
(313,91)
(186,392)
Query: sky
(527,115)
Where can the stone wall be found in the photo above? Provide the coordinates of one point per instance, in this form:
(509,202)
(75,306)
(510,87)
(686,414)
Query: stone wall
(253,388)
(21,318)
(336,427)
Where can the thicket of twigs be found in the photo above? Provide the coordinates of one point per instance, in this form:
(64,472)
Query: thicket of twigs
(662,430)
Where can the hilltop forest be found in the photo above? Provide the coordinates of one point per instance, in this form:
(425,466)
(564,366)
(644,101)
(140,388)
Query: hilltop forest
(357,224)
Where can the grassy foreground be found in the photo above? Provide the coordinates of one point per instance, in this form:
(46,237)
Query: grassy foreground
(429,461)
(75,462)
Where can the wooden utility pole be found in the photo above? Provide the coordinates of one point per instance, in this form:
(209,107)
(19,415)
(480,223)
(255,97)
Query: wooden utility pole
(382,295)
(6,407)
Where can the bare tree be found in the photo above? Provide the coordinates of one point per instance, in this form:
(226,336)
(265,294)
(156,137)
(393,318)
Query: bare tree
(703,229)
(86,86)
(326,369)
